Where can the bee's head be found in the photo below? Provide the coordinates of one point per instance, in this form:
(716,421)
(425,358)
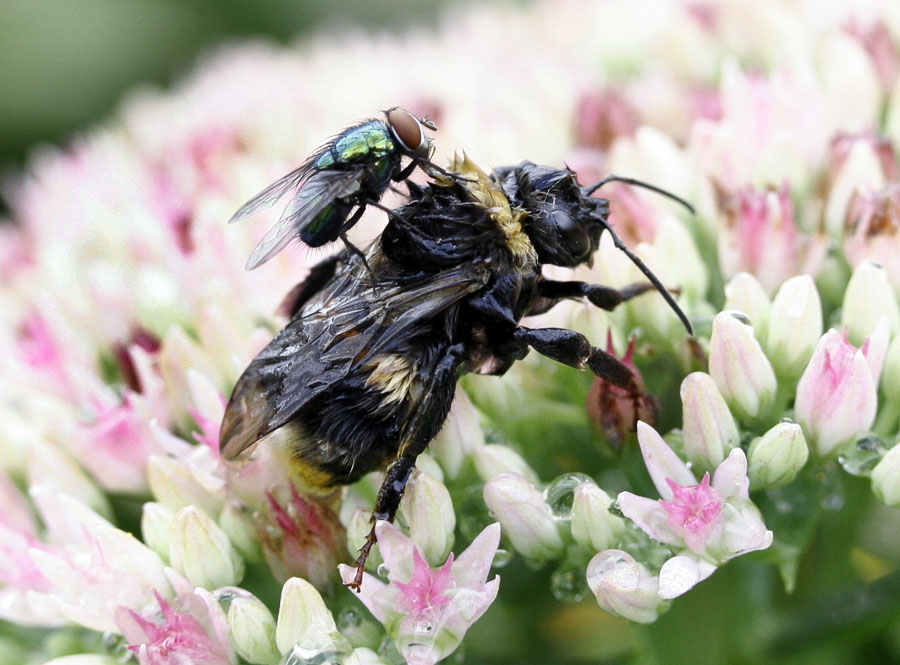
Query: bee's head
(409,131)
(563,223)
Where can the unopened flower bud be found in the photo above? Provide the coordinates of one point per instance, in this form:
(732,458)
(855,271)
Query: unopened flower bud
(776,457)
(252,629)
(592,524)
(493,459)
(740,369)
(624,587)
(460,436)
(890,378)
(868,298)
(886,478)
(795,326)
(173,485)
(427,509)
(237,522)
(709,431)
(156,525)
(836,398)
(305,622)
(745,294)
(524,517)
(200,550)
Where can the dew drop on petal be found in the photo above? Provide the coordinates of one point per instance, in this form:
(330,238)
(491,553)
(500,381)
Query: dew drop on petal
(862,458)
(560,493)
(116,646)
(501,558)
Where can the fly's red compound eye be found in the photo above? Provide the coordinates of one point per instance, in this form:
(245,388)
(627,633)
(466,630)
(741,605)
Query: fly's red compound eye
(408,130)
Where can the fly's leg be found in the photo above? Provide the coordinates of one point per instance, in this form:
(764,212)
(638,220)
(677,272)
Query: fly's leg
(404,173)
(422,427)
(346,226)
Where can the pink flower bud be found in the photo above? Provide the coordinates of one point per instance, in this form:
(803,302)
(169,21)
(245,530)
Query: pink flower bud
(795,326)
(524,516)
(709,430)
(836,397)
(625,587)
(745,294)
(740,369)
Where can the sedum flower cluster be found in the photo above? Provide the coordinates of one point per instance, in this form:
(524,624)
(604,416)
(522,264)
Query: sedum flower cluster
(126,317)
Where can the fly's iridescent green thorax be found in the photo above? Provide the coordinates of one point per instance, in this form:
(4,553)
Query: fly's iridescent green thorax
(369,141)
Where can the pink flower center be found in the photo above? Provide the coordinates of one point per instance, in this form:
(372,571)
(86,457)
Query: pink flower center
(424,594)
(694,512)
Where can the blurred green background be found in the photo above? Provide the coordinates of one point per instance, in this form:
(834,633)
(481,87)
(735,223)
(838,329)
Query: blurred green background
(64,64)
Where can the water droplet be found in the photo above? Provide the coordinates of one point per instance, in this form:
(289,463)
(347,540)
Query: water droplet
(224,598)
(116,646)
(862,458)
(501,558)
(422,627)
(383,570)
(831,498)
(303,656)
(560,493)
(568,583)
(349,617)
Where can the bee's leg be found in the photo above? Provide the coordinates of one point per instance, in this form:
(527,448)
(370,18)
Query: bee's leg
(551,292)
(386,506)
(572,348)
(423,426)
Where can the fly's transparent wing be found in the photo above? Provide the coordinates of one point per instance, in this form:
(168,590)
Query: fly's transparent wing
(270,195)
(315,194)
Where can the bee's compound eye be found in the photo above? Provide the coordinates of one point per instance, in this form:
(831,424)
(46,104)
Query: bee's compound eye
(407,130)
(572,233)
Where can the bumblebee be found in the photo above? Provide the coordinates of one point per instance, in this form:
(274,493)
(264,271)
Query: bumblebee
(352,171)
(364,373)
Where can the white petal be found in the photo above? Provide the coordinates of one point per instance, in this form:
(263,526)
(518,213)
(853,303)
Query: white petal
(680,573)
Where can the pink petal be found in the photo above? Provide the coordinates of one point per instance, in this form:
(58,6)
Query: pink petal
(649,515)
(474,564)
(662,462)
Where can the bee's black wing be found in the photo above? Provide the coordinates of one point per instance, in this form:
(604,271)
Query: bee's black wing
(315,191)
(350,322)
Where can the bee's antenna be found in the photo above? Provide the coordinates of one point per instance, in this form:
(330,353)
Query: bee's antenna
(639,183)
(653,278)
